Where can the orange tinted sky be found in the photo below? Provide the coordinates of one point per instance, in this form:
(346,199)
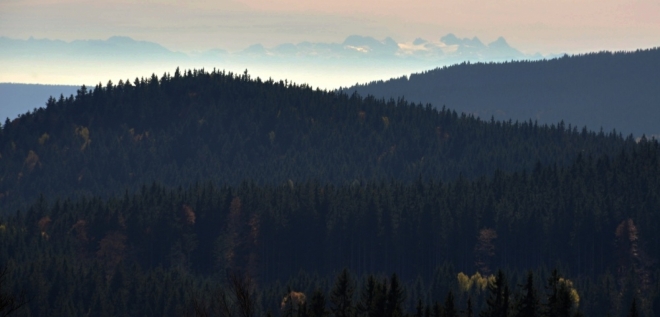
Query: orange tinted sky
(546,26)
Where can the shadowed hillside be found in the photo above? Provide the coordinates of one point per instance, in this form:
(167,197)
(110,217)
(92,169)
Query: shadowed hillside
(598,90)
(215,192)
(229,128)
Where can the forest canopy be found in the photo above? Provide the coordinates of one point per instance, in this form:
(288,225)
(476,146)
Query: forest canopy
(193,192)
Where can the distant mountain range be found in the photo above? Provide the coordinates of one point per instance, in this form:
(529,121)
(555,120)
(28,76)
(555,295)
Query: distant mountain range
(326,65)
(604,90)
(599,90)
(449,47)
(114,48)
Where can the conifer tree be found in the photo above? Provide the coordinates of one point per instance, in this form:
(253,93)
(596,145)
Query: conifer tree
(559,300)
(365,306)
(529,303)
(341,296)
(469,310)
(317,308)
(395,298)
(498,299)
(450,306)
(633,309)
(419,309)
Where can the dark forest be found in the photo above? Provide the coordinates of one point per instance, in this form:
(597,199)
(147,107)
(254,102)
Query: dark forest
(604,90)
(217,194)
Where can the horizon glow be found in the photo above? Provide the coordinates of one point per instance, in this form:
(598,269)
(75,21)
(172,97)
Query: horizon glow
(540,26)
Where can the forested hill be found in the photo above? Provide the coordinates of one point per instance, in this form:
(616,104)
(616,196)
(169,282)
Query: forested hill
(598,90)
(197,125)
(191,184)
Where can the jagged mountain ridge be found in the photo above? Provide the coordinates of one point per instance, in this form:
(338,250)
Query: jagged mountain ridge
(449,47)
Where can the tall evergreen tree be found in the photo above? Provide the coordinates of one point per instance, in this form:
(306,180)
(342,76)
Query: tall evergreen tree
(528,306)
(395,298)
(341,296)
(419,309)
(498,298)
(450,306)
(559,299)
(317,308)
(633,309)
(469,311)
(368,297)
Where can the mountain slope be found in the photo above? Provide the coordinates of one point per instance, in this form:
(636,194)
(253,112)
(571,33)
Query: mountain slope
(598,90)
(228,128)
(194,176)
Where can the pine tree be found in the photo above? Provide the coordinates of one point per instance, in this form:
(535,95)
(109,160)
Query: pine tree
(450,306)
(469,310)
(395,298)
(559,300)
(498,300)
(341,296)
(317,308)
(419,309)
(367,297)
(633,309)
(529,304)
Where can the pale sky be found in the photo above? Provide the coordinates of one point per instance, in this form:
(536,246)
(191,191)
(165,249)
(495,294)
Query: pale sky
(531,26)
(545,26)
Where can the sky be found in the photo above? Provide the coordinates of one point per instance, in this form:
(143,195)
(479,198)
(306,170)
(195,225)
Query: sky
(531,26)
(545,26)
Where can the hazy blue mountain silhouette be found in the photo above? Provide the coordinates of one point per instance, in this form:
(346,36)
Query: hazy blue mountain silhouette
(598,90)
(256,49)
(449,48)
(21,98)
(114,48)
(372,46)
(451,39)
(119,48)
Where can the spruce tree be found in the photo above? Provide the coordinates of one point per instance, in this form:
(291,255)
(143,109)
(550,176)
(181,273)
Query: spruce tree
(529,303)
(317,308)
(450,306)
(395,298)
(633,309)
(341,296)
(559,299)
(469,310)
(498,299)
